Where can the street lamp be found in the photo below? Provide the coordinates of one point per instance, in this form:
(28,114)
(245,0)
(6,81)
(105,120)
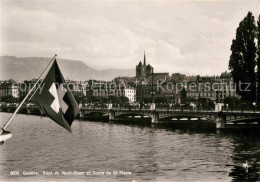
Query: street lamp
(254,104)
(153,104)
(152,87)
(217,92)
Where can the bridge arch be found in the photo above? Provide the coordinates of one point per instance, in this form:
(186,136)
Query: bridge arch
(132,115)
(189,117)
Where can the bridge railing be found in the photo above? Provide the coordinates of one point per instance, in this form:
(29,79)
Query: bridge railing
(241,109)
(158,108)
(178,109)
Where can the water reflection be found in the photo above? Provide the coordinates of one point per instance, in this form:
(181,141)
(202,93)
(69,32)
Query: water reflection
(246,148)
(182,129)
(244,145)
(146,159)
(155,153)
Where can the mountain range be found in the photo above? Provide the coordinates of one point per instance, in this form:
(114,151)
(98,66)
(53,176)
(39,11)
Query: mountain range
(27,68)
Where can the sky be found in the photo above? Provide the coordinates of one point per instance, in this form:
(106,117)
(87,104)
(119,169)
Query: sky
(190,37)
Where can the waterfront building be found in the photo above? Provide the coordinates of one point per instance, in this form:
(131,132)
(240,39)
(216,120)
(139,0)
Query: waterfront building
(178,77)
(212,88)
(161,76)
(171,89)
(9,88)
(130,93)
(190,78)
(125,79)
(77,88)
(227,87)
(146,91)
(110,88)
(202,90)
(26,86)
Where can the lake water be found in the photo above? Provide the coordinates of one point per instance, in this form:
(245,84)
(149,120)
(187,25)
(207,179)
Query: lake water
(110,152)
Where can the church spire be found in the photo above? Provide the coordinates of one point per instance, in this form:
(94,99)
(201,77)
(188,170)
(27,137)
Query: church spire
(144,59)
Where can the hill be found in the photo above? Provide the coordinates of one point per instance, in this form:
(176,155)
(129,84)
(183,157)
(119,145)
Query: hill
(31,67)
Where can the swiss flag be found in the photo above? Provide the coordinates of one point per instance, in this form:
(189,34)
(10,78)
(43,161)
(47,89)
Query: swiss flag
(55,98)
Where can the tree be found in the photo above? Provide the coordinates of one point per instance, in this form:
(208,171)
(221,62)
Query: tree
(258,58)
(242,60)
(147,100)
(160,100)
(190,100)
(9,99)
(77,98)
(114,99)
(124,99)
(104,100)
(94,99)
(232,101)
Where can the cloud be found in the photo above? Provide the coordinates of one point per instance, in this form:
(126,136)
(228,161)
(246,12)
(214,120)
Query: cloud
(188,37)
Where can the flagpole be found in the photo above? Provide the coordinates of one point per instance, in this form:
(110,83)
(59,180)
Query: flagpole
(20,105)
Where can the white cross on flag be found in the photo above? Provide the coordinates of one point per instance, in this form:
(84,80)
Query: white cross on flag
(55,99)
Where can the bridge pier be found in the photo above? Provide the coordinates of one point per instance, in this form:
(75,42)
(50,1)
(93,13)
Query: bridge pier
(81,113)
(28,110)
(152,107)
(220,121)
(154,117)
(111,115)
(218,107)
(41,111)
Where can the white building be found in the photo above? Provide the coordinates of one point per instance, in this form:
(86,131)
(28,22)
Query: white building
(130,93)
(106,89)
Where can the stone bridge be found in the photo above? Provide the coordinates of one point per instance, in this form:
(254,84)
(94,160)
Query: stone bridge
(222,119)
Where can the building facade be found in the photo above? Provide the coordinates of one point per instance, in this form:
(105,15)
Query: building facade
(106,89)
(213,88)
(27,85)
(9,88)
(77,88)
(146,91)
(161,76)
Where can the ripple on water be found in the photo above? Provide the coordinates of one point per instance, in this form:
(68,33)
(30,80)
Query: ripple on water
(150,153)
